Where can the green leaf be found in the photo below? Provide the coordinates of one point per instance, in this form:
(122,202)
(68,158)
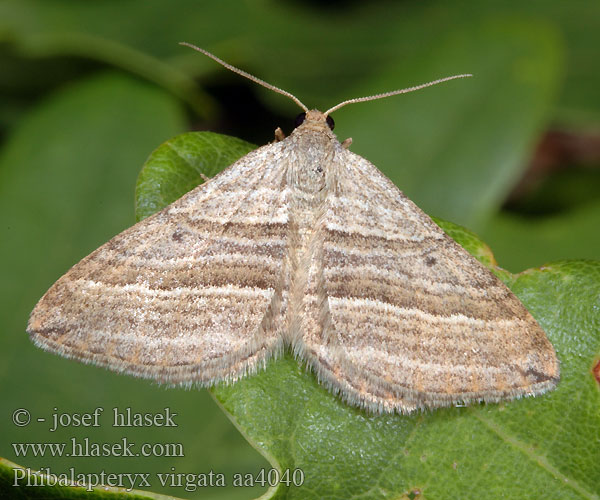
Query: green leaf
(543,447)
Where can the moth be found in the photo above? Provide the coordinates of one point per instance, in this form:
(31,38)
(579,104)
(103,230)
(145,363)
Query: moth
(302,245)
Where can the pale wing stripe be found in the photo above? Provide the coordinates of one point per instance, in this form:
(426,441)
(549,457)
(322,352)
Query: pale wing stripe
(239,259)
(231,197)
(280,218)
(378,307)
(344,227)
(409,341)
(239,240)
(199,290)
(386,217)
(429,367)
(345,246)
(162,343)
(437,288)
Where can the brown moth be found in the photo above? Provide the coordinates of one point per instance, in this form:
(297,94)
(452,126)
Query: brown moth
(300,244)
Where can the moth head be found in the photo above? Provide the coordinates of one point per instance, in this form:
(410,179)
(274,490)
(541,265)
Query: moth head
(314,116)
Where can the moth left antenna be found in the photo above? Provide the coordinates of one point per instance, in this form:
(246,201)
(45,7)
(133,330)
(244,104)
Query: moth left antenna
(247,75)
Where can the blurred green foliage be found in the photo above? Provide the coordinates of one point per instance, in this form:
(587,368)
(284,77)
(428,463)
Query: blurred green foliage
(89,89)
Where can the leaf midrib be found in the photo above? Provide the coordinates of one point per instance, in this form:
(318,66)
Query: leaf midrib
(539,459)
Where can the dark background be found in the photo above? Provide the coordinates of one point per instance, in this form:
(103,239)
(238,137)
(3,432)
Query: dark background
(89,89)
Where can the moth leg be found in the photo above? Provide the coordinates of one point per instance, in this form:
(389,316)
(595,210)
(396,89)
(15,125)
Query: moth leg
(279,135)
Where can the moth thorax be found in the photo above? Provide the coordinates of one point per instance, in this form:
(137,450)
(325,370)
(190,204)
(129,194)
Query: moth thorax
(308,173)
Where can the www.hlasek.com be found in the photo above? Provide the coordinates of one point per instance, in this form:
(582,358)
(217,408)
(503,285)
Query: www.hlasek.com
(129,481)
(88,448)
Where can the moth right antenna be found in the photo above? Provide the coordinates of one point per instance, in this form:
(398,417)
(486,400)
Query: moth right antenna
(395,92)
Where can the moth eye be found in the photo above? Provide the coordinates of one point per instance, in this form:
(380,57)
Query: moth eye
(299,119)
(330,122)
